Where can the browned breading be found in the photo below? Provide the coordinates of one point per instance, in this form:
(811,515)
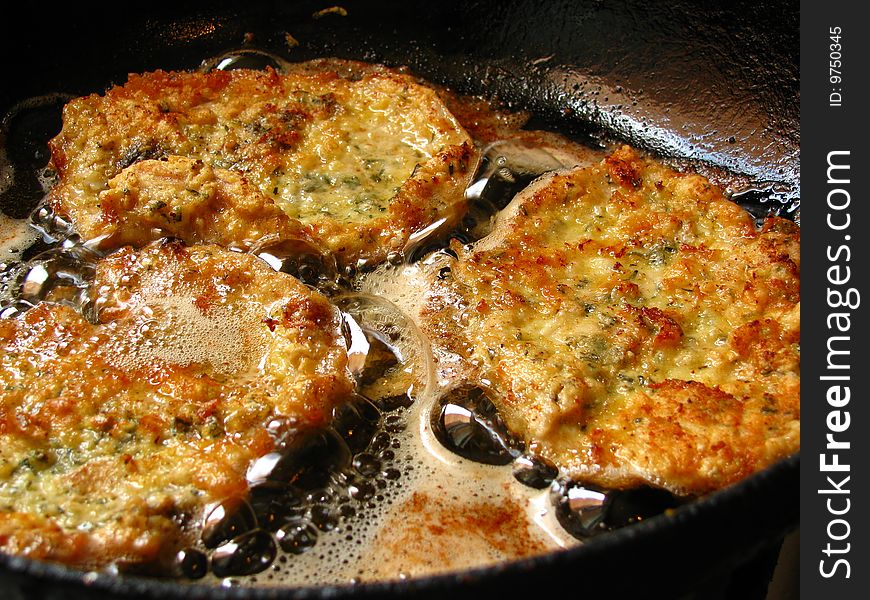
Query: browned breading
(187,199)
(361,159)
(115,436)
(633,326)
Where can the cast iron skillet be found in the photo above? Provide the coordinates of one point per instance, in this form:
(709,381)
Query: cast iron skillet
(703,86)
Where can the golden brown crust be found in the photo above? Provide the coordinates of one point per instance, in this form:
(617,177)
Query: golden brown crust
(363,160)
(115,436)
(634,325)
(186,199)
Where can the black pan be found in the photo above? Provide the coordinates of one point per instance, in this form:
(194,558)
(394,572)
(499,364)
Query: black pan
(703,85)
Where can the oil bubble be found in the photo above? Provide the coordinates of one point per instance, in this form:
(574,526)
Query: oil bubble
(467,423)
(246,554)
